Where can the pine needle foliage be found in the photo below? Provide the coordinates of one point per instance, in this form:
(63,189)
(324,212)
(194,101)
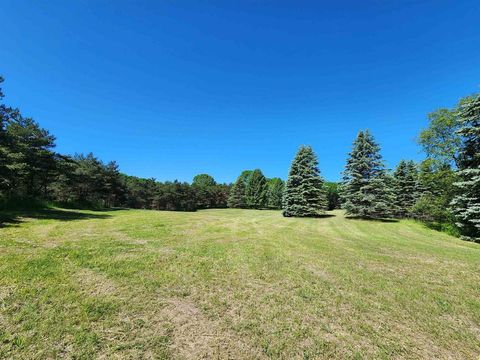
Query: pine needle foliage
(466,204)
(405,187)
(304,194)
(366,187)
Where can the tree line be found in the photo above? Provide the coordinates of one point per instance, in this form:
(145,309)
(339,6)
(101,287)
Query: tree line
(443,190)
(32,173)
(252,190)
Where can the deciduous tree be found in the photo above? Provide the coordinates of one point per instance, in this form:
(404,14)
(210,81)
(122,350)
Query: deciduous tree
(256,190)
(275,193)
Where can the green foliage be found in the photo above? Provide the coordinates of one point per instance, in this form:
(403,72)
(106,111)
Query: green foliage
(87,181)
(245,176)
(275,193)
(442,191)
(174,196)
(332,190)
(208,193)
(21,203)
(31,174)
(440,140)
(237,197)
(30,161)
(203,181)
(432,209)
(140,192)
(151,194)
(304,194)
(4,148)
(435,191)
(27,162)
(256,190)
(405,187)
(466,204)
(366,190)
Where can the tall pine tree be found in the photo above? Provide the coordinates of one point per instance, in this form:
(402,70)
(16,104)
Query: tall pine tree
(256,190)
(304,194)
(405,187)
(366,191)
(413,180)
(466,205)
(236,198)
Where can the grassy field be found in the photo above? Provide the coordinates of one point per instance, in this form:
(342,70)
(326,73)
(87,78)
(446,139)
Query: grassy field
(233,284)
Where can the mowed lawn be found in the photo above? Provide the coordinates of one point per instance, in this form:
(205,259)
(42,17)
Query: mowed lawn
(233,284)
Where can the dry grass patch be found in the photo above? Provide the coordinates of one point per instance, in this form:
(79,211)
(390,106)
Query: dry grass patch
(197,337)
(93,283)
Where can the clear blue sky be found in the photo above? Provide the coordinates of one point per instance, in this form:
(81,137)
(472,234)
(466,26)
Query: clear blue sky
(170,89)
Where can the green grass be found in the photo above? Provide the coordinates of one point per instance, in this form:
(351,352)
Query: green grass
(233,284)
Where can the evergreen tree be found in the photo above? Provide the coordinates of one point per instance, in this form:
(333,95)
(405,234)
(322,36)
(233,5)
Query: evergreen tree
(275,193)
(405,187)
(113,191)
(5,173)
(174,196)
(413,181)
(256,190)
(236,199)
(399,183)
(365,190)
(466,205)
(31,172)
(33,161)
(304,194)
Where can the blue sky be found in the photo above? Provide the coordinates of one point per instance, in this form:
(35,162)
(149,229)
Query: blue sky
(175,88)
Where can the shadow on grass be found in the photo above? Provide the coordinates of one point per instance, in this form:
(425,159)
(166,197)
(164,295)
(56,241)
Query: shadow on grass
(383,220)
(324,216)
(8,220)
(84,206)
(13,218)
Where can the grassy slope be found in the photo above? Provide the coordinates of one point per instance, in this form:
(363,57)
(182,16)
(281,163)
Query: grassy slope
(234,284)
